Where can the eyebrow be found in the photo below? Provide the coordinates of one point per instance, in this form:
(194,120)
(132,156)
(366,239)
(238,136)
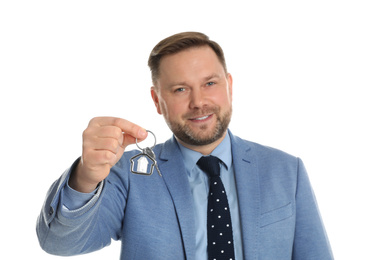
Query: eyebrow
(213,75)
(184,83)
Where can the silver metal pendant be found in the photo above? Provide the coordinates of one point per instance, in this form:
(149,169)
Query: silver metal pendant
(145,162)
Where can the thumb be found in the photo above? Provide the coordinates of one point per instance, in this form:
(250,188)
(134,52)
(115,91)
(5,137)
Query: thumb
(130,139)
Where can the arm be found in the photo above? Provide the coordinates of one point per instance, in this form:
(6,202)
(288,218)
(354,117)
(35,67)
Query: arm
(310,241)
(88,228)
(62,234)
(92,226)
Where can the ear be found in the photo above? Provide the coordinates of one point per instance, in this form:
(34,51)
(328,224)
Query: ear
(155,98)
(230,84)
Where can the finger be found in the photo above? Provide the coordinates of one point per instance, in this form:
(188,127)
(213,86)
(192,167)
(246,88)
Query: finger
(109,132)
(126,126)
(98,158)
(106,157)
(116,133)
(109,144)
(128,139)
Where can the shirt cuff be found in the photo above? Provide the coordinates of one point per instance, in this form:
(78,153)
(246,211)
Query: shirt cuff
(77,203)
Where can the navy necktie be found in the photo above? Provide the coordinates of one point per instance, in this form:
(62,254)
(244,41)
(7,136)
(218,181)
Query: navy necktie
(219,226)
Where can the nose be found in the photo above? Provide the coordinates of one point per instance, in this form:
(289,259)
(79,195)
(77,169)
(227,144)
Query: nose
(197,99)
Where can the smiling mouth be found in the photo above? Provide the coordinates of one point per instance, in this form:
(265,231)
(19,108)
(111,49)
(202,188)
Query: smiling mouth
(200,118)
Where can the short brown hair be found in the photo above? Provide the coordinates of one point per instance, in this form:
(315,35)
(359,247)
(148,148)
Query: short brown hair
(179,42)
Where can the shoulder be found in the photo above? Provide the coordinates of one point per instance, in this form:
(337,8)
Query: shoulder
(261,151)
(277,171)
(267,160)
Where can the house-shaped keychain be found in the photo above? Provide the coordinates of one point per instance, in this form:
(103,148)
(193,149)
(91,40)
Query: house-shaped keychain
(142,164)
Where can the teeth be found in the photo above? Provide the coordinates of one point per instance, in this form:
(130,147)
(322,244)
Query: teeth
(202,118)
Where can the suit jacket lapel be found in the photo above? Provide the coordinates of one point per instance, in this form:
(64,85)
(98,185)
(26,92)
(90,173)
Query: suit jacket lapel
(173,171)
(248,191)
(247,182)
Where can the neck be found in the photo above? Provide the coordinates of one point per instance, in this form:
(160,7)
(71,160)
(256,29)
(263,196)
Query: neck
(203,149)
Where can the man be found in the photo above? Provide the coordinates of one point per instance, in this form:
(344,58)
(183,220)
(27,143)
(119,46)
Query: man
(272,210)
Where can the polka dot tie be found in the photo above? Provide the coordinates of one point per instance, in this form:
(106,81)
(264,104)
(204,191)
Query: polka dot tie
(219,226)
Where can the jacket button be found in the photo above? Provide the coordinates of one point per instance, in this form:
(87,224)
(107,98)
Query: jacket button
(51,211)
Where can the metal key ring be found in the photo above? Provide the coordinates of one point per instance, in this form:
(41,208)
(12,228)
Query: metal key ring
(155,141)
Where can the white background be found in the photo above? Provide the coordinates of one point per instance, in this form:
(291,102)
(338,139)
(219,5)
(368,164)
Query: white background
(302,75)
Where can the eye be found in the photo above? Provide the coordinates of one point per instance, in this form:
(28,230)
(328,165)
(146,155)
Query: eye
(210,83)
(179,90)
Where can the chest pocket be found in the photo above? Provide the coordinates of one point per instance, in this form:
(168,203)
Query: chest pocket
(277,215)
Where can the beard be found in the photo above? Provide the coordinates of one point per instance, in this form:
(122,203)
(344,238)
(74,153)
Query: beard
(201,137)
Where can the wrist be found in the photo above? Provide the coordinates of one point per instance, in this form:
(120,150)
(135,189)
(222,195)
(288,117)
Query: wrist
(79,181)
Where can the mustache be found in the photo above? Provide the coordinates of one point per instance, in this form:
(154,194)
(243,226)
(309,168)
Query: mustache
(202,112)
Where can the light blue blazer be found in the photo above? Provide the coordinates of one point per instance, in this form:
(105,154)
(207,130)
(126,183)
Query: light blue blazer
(153,216)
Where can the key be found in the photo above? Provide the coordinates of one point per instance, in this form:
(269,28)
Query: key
(151,154)
(145,162)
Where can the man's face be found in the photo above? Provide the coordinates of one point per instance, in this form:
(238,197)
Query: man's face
(194,94)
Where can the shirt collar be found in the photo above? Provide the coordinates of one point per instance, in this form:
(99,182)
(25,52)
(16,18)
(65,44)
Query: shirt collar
(223,151)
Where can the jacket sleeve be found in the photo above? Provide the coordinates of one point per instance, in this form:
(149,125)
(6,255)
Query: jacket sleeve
(83,230)
(311,241)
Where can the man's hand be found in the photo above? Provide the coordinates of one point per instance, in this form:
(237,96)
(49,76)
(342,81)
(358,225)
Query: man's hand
(104,142)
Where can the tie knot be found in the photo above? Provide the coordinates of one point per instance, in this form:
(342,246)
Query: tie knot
(210,165)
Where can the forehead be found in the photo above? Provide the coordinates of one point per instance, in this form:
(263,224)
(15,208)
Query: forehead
(190,63)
